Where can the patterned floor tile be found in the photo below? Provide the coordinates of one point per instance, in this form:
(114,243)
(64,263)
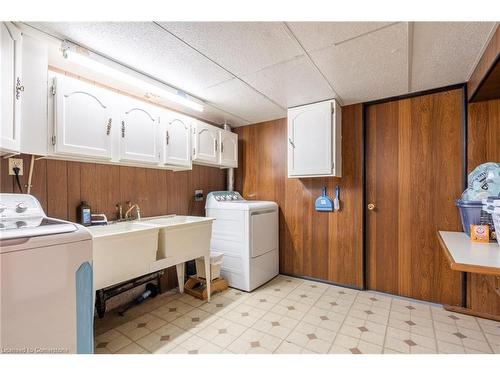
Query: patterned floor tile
(132,348)
(196,345)
(111,341)
(350,345)
(290,308)
(245,314)
(289,348)
(293,316)
(253,341)
(276,325)
(194,320)
(222,332)
(311,337)
(172,310)
(325,319)
(164,339)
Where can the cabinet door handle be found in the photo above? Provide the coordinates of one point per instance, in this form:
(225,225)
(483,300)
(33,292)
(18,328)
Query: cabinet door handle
(291,142)
(108,127)
(216,145)
(19,88)
(222,147)
(123,129)
(168,137)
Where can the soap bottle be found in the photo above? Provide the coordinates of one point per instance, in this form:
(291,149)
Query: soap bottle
(83,214)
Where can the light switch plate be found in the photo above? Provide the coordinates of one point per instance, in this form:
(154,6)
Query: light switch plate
(15,162)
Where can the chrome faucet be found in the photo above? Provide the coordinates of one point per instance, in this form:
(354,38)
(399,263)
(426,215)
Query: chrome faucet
(130,208)
(119,212)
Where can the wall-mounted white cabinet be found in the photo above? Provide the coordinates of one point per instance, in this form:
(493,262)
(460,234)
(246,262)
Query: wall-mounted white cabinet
(228,156)
(206,143)
(139,131)
(10,88)
(214,146)
(177,139)
(34,117)
(314,140)
(83,119)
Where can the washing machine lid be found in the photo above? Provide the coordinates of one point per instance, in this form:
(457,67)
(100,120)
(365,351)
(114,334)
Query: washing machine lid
(34,227)
(232,200)
(22,216)
(248,205)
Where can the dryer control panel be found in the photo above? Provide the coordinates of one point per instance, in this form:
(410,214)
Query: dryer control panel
(221,196)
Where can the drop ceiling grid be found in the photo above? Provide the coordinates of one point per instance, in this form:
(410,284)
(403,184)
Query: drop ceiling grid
(370,67)
(84,34)
(444,53)
(140,46)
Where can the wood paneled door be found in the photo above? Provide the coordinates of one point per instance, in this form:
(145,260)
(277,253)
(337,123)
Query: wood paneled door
(414,172)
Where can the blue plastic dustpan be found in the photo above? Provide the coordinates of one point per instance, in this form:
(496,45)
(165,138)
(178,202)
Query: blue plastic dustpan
(323,202)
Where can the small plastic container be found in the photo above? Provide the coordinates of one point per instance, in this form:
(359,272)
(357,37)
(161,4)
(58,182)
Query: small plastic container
(470,213)
(215,266)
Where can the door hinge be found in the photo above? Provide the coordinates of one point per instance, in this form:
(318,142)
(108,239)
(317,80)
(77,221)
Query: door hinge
(53,140)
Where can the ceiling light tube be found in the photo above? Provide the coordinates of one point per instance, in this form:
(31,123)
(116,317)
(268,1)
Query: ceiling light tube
(92,61)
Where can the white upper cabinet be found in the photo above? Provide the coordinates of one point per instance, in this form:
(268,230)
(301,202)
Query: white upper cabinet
(34,116)
(206,143)
(177,139)
(10,88)
(228,155)
(83,119)
(314,140)
(139,131)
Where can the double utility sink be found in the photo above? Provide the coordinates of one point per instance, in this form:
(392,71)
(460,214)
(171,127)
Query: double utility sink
(126,250)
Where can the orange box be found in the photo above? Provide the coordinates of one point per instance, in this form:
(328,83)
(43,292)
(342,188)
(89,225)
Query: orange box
(480,233)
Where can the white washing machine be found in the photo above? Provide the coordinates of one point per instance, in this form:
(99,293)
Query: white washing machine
(247,233)
(46,281)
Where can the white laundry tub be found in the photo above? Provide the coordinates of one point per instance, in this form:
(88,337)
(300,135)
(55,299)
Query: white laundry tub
(122,251)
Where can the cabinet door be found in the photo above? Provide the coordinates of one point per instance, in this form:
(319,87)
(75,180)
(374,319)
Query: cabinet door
(139,129)
(177,141)
(34,116)
(228,156)
(310,140)
(10,85)
(82,119)
(206,143)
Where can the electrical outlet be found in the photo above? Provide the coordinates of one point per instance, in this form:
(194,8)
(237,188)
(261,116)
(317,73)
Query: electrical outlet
(198,195)
(14,162)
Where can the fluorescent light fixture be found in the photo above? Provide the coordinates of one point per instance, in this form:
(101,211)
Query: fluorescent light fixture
(92,64)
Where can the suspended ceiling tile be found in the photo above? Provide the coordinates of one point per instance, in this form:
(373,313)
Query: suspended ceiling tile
(240,47)
(145,47)
(237,98)
(220,117)
(445,53)
(291,83)
(370,67)
(317,35)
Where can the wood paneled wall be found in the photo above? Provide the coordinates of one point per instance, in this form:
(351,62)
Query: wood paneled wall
(414,172)
(483,146)
(62,185)
(320,245)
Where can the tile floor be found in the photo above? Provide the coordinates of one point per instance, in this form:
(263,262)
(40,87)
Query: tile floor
(290,315)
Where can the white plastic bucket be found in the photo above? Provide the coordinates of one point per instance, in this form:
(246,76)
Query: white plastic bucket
(215,266)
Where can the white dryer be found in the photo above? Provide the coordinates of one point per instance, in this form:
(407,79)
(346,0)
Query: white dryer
(247,233)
